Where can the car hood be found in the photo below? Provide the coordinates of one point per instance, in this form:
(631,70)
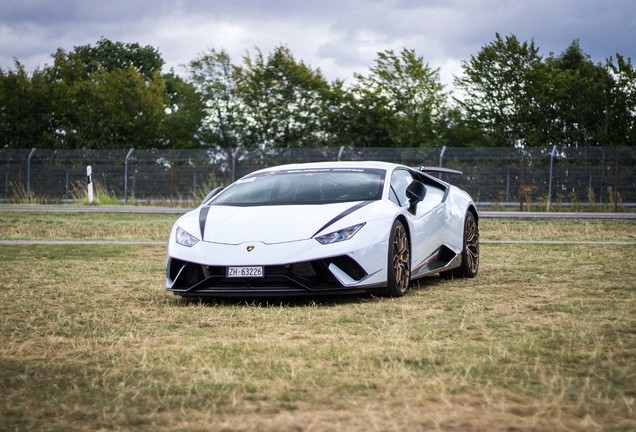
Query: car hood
(272,224)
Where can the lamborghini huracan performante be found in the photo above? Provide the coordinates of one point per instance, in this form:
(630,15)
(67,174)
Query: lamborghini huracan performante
(324,228)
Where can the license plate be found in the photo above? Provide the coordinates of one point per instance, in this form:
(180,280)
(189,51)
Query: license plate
(245,272)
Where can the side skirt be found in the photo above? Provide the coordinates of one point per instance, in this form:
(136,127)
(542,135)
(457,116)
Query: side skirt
(444,258)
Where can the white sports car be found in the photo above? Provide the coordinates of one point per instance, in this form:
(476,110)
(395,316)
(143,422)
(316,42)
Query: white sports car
(324,228)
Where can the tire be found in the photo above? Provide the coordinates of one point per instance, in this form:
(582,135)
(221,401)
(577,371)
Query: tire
(470,251)
(399,262)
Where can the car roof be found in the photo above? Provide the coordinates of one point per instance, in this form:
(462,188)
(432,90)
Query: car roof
(334,164)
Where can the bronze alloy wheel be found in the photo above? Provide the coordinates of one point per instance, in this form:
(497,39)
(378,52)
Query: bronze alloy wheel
(471,240)
(398,263)
(401,258)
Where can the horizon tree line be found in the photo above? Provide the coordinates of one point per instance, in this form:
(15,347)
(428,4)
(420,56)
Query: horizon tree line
(115,95)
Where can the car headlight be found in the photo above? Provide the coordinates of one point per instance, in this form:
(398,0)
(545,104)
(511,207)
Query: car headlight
(185,238)
(340,235)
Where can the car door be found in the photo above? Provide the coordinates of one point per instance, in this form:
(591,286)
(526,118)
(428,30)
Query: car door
(427,224)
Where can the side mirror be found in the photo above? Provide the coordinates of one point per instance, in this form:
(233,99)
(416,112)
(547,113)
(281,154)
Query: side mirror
(415,192)
(209,196)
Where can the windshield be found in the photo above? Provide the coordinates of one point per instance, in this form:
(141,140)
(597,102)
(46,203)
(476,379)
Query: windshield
(305,186)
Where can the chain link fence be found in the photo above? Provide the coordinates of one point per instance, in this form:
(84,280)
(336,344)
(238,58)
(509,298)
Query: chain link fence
(557,178)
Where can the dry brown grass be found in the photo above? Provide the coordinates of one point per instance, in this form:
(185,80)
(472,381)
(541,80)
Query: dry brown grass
(84,226)
(543,339)
(143,227)
(497,230)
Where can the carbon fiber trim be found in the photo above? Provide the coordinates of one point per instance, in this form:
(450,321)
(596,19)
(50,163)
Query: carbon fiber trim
(203,217)
(343,214)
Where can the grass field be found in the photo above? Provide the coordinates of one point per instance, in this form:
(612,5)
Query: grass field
(543,339)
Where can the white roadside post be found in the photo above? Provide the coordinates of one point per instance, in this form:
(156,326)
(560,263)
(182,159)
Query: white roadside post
(89,176)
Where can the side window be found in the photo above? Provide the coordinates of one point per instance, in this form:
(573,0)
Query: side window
(393,197)
(400,180)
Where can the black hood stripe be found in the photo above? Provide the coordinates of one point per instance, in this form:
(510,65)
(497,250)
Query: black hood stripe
(343,214)
(203,217)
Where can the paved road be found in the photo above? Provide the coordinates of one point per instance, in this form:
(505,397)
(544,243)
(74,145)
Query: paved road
(510,215)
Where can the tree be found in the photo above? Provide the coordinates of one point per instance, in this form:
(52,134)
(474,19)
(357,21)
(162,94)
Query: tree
(286,102)
(25,109)
(582,97)
(107,56)
(356,120)
(500,87)
(119,109)
(622,110)
(263,104)
(113,95)
(403,96)
(456,131)
(110,109)
(184,113)
(215,80)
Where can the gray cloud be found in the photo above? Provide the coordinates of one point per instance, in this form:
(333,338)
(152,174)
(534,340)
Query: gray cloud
(338,36)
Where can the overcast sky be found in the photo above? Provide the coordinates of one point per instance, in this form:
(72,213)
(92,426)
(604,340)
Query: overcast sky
(337,36)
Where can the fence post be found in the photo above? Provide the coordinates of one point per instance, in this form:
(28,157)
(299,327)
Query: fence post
(194,181)
(66,183)
(508,186)
(234,156)
(552,155)
(134,181)
(6,181)
(522,185)
(29,174)
(171,183)
(616,182)
(130,152)
(89,183)
(340,152)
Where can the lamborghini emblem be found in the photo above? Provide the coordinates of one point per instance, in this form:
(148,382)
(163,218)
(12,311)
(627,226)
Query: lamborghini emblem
(250,248)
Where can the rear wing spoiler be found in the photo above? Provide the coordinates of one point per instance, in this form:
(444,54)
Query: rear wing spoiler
(430,170)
